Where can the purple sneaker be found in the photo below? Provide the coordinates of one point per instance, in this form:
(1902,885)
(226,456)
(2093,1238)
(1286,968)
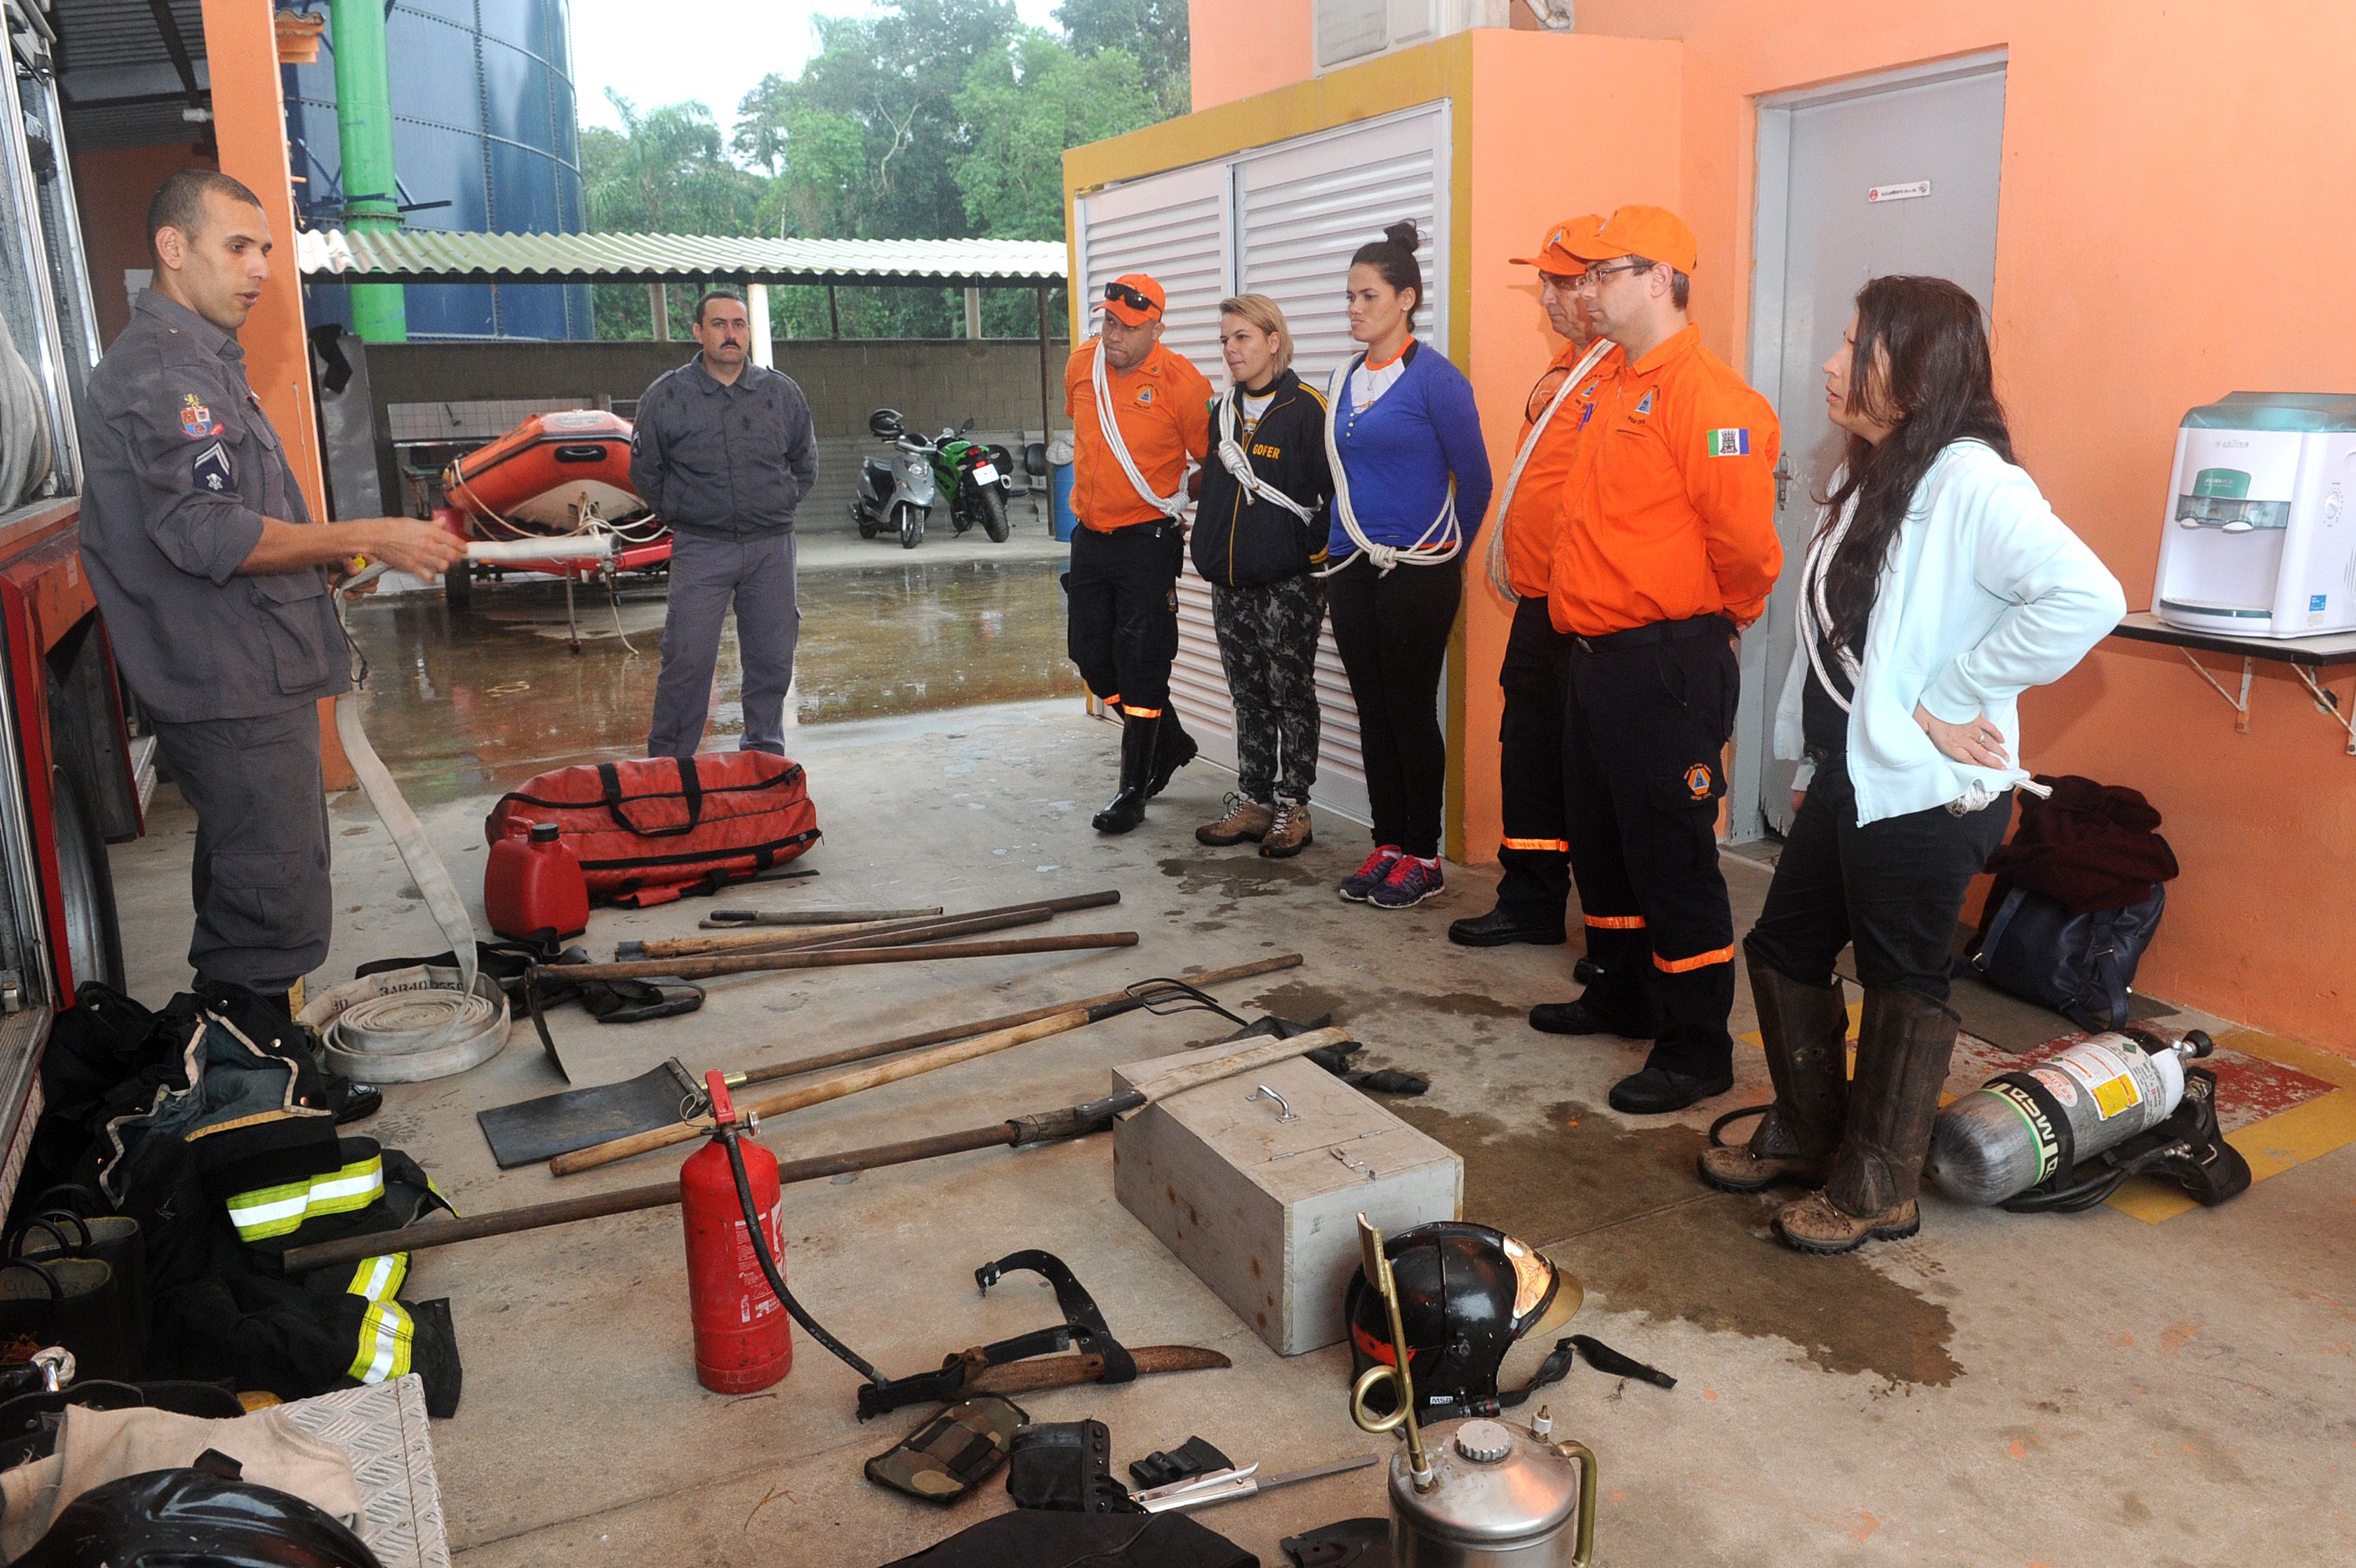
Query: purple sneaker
(1359,884)
(1411,881)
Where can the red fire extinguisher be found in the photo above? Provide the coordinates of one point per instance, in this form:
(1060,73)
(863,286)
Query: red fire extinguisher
(744,1341)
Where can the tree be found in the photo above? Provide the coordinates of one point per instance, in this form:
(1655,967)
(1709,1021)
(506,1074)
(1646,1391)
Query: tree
(1027,105)
(663,173)
(1153,32)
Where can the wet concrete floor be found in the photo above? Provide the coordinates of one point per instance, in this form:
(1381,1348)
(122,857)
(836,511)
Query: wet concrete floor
(460,703)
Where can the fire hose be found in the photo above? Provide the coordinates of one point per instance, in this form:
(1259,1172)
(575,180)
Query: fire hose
(426,1021)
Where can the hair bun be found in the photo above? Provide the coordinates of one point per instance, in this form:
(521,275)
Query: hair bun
(1403,235)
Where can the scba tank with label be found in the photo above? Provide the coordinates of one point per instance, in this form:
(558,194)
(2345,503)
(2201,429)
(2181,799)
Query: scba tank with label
(2029,1127)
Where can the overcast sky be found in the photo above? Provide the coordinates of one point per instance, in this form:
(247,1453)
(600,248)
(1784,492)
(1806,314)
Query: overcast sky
(652,55)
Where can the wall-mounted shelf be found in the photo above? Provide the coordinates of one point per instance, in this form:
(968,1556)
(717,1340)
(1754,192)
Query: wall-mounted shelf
(2308,659)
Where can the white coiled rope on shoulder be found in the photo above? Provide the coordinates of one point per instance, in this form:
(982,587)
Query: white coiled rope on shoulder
(1238,462)
(1441,543)
(1499,579)
(1171,507)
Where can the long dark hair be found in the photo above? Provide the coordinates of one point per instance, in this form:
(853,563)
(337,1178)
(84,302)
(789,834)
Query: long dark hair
(1941,389)
(1393,256)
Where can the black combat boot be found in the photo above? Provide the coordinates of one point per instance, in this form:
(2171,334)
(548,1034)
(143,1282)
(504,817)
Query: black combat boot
(1126,809)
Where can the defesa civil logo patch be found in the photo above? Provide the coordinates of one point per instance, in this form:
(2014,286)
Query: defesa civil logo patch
(1729,443)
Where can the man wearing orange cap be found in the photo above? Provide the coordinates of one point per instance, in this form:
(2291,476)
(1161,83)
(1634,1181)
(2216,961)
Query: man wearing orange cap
(1667,549)
(1535,853)
(1140,413)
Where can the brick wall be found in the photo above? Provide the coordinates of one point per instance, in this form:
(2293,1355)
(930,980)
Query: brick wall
(933,383)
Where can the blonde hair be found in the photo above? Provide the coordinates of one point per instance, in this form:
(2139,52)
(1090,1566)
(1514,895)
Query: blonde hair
(1268,316)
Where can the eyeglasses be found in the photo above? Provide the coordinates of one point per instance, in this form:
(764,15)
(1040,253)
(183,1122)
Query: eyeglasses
(1122,293)
(1594,275)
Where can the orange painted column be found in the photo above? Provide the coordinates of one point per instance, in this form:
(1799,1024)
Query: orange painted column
(250,127)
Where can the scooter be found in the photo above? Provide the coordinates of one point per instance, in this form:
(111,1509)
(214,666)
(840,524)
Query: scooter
(977,479)
(898,495)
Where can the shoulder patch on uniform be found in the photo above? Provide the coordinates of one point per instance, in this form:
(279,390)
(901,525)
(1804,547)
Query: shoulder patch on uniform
(196,420)
(1698,780)
(213,470)
(1644,407)
(1735,442)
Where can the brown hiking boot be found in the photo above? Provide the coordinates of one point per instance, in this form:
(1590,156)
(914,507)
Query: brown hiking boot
(1246,819)
(1903,1047)
(1817,1225)
(1288,831)
(1804,1030)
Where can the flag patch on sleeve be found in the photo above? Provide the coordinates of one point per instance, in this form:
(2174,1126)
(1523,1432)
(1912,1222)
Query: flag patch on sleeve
(1729,443)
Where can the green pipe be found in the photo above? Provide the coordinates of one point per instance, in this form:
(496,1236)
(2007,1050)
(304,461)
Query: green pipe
(364,125)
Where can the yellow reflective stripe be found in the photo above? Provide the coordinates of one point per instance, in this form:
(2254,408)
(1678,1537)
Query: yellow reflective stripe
(384,1341)
(280,1210)
(379,1278)
(1560,844)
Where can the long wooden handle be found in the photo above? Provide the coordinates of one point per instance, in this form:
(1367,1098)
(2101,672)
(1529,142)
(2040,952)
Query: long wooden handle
(738,919)
(824,1089)
(1039,1372)
(983,1026)
(778,939)
(1245,1059)
(889,933)
(755,963)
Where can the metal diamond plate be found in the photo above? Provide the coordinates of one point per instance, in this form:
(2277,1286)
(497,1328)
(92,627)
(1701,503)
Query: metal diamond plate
(383,1426)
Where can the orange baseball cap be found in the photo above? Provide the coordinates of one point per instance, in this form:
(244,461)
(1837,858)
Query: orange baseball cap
(1652,232)
(1554,251)
(1133,298)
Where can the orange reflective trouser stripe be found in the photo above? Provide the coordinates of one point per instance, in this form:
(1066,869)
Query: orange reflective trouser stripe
(1141,713)
(1557,846)
(1616,921)
(1698,961)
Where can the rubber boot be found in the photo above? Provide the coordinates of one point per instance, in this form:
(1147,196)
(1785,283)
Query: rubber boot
(1804,1028)
(1126,809)
(1619,999)
(1174,750)
(1902,1051)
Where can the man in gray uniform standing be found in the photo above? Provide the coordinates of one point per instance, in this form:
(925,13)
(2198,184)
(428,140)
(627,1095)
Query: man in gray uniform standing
(724,451)
(215,585)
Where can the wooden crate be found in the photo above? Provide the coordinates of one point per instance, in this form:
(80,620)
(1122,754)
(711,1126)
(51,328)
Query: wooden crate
(1265,1209)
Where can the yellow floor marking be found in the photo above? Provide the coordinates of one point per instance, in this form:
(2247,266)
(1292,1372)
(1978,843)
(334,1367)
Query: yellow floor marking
(2288,1138)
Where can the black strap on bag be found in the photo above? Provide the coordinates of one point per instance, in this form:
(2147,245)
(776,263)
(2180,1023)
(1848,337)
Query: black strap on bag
(691,786)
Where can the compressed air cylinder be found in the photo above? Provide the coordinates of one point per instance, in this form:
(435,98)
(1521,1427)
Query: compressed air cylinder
(2000,1140)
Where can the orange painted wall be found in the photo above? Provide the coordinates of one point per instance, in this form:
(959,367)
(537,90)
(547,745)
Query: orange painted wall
(1526,173)
(1239,48)
(112,187)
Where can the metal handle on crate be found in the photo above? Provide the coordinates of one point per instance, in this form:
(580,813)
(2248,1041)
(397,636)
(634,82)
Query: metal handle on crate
(1283,1111)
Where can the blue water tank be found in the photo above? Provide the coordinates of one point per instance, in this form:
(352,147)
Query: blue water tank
(483,121)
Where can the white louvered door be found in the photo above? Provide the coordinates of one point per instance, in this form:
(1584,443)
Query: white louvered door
(1281,221)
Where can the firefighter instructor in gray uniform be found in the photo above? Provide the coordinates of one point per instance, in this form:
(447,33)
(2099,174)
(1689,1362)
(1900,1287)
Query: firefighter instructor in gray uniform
(215,585)
(723,451)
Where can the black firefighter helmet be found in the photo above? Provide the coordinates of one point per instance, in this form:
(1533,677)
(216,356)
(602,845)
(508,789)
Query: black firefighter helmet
(885,424)
(200,1514)
(1467,1295)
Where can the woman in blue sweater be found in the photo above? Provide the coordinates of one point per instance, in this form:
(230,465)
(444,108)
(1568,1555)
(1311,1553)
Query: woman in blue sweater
(1410,483)
(1938,587)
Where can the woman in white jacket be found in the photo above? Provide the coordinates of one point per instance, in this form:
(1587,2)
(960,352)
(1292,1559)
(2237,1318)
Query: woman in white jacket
(1938,588)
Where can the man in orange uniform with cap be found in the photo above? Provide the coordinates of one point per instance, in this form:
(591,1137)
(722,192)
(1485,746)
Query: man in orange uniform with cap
(1139,412)
(1535,854)
(1668,549)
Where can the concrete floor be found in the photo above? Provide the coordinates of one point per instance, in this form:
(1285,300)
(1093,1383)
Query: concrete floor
(2091,1390)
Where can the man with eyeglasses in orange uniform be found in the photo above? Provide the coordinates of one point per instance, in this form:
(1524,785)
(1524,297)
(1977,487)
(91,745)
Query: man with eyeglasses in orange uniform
(1667,549)
(1140,415)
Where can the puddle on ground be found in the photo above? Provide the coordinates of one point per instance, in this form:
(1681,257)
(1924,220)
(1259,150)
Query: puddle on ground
(1621,1208)
(1242,873)
(456,704)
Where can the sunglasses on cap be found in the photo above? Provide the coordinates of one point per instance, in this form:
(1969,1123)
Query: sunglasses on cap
(1122,293)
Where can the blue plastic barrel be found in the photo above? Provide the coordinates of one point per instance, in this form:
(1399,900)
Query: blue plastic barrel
(1060,475)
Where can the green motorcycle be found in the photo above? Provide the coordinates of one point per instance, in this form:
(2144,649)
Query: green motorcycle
(975,480)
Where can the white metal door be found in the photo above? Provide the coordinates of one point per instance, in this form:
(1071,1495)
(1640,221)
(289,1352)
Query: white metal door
(1896,175)
(1281,221)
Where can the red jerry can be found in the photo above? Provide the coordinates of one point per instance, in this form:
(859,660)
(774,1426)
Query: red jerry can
(533,886)
(744,1341)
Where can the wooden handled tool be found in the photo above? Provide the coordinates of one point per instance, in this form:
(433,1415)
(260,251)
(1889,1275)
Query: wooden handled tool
(1070,1122)
(896,932)
(756,963)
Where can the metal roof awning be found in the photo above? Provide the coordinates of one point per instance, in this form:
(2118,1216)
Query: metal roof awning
(436,256)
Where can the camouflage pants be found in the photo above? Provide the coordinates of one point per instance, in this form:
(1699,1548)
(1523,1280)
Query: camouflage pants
(1267,643)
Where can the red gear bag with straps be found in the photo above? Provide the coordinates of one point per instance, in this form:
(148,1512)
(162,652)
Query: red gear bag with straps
(652,829)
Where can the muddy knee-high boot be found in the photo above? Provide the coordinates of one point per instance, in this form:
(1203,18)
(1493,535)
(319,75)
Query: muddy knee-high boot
(1804,1028)
(1903,1050)
(1126,809)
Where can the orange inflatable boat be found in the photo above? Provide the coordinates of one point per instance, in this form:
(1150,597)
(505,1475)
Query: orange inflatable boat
(553,474)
